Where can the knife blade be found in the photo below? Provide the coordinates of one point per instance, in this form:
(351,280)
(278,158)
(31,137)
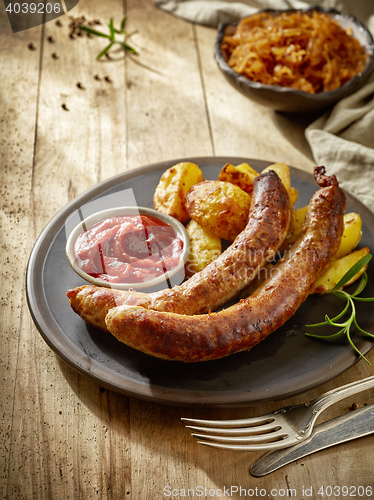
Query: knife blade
(353,425)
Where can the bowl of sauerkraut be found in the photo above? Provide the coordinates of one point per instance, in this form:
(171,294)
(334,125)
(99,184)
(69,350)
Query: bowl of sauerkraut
(296,60)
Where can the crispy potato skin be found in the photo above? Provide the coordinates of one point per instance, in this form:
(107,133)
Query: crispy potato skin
(351,235)
(221,208)
(204,248)
(170,193)
(242,176)
(337,270)
(296,227)
(242,326)
(223,278)
(282,169)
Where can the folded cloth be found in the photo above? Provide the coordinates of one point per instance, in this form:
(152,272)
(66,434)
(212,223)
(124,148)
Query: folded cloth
(342,139)
(213,12)
(209,13)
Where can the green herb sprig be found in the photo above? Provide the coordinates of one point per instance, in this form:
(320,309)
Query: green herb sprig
(112,36)
(345,326)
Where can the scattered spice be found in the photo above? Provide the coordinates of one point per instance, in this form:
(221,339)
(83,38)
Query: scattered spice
(31,46)
(64,107)
(58,23)
(50,39)
(80,86)
(107,79)
(94,22)
(97,77)
(54,55)
(355,406)
(74,26)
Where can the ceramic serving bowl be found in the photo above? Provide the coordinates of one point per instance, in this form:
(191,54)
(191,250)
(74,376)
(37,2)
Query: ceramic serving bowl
(170,278)
(293,100)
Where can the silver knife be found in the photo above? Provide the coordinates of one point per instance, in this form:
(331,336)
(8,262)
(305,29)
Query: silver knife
(357,423)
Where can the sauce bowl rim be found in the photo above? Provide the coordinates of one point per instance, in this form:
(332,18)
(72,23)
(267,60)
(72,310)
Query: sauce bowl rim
(96,217)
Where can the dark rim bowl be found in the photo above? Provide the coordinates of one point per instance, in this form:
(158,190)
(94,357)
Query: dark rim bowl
(173,277)
(294,100)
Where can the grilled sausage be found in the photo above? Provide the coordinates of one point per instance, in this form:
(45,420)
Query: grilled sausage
(240,327)
(221,280)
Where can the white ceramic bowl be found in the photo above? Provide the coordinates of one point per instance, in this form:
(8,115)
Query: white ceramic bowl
(171,278)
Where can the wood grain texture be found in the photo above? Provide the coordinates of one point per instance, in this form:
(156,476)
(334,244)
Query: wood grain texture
(166,114)
(62,435)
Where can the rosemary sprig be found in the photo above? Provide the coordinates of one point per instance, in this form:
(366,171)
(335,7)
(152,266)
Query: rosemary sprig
(345,326)
(111,36)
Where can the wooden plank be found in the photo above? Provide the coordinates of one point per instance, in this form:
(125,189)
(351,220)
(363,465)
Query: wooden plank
(19,65)
(81,130)
(54,438)
(166,114)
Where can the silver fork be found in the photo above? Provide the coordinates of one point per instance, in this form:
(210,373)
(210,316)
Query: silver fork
(281,429)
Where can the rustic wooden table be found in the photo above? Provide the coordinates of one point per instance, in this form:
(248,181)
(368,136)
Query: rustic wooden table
(68,122)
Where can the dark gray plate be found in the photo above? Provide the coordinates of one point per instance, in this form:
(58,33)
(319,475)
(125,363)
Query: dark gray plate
(285,364)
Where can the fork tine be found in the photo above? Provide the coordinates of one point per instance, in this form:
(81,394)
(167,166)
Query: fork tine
(243,422)
(276,445)
(263,438)
(238,431)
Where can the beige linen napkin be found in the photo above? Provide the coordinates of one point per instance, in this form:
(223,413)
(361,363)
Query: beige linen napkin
(213,12)
(341,139)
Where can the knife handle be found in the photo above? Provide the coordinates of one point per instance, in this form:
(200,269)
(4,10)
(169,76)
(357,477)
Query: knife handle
(352,425)
(331,397)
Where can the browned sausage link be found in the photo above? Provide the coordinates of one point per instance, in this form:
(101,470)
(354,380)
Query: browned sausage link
(234,269)
(92,303)
(242,326)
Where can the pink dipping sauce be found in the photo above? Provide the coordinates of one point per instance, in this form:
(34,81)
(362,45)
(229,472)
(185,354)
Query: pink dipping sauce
(128,249)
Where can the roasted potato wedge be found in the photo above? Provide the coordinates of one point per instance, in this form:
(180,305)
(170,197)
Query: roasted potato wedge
(204,248)
(170,193)
(337,270)
(294,194)
(242,176)
(296,226)
(283,172)
(351,235)
(221,208)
